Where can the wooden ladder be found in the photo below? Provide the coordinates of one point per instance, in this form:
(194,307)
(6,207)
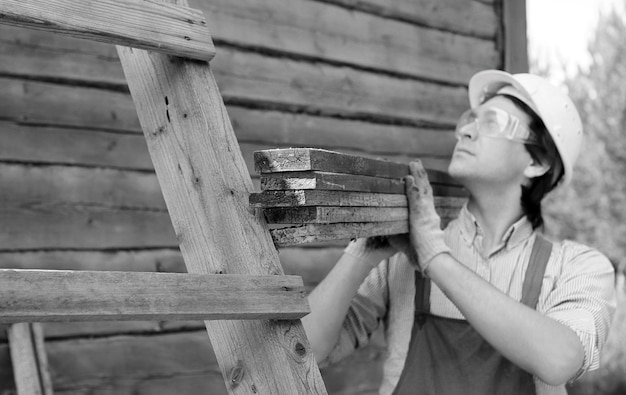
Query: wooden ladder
(235,280)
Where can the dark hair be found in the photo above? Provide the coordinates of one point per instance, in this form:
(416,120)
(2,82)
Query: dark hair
(545,153)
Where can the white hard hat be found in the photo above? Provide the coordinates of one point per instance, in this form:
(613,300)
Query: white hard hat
(554,108)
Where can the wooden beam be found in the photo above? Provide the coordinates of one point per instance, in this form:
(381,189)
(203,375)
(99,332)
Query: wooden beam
(326,215)
(150,25)
(303,180)
(304,159)
(330,181)
(30,362)
(319,197)
(515,46)
(55,295)
(325,232)
(206,186)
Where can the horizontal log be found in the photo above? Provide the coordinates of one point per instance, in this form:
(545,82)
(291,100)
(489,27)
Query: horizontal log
(246,77)
(80,186)
(163,364)
(42,295)
(296,235)
(337,34)
(330,181)
(128,151)
(319,197)
(326,215)
(155,26)
(54,225)
(472,17)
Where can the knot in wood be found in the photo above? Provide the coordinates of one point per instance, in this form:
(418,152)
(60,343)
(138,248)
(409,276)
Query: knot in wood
(236,374)
(300,349)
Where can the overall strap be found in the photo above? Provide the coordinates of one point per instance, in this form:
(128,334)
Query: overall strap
(534,272)
(422,297)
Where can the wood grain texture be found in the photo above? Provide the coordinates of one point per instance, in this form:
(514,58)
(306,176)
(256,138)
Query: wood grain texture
(305,159)
(56,225)
(51,295)
(30,362)
(302,159)
(273,82)
(330,181)
(154,26)
(309,233)
(472,17)
(336,34)
(326,215)
(296,235)
(318,197)
(205,183)
(169,363)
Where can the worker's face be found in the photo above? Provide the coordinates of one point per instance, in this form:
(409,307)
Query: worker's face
(481,157)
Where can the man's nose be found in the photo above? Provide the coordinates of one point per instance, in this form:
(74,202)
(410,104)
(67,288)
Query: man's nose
(468,131)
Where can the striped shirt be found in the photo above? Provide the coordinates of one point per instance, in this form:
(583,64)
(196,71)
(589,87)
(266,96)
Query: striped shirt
(577,291)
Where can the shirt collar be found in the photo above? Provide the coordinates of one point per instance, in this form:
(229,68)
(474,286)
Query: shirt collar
(515,234)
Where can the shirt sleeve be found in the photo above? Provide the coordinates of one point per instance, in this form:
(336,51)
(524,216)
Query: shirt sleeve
(366,312)
(583,299)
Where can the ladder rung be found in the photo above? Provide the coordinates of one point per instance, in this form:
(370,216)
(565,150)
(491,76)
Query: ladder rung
(57,295)
(161,27)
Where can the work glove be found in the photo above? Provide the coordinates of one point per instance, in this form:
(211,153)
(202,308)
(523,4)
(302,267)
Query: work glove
(371,251)
(426,238)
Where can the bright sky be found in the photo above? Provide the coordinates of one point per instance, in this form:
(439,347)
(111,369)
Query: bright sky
(558,30)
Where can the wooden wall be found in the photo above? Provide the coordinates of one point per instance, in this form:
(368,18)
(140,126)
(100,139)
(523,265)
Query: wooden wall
(385,78)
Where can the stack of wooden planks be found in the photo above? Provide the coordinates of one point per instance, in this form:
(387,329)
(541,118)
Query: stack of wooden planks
(328,195)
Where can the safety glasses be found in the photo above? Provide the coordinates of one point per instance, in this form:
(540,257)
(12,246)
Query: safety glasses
(494,123)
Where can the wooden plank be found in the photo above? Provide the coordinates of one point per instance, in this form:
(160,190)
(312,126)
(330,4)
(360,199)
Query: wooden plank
(310,233)
(472,17)
(318,197)
(30,363)
(304,159)
(296,235)
(166,28)
(205,182)
(330,181)
(513,36)
(324,32)
(55,295)
(303,180)
(325,215)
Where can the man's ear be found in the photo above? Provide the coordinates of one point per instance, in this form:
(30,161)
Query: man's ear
(536,169)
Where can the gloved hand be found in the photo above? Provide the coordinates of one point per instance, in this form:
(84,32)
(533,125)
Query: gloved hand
(371,250)
(425,234)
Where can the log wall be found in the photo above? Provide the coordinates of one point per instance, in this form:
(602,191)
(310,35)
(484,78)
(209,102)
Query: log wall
(380,78)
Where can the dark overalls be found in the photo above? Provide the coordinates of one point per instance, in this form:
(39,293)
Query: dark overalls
(448,357)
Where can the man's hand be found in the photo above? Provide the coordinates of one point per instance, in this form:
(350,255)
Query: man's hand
(426,238)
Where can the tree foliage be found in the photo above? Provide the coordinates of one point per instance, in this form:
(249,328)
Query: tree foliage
(593,209)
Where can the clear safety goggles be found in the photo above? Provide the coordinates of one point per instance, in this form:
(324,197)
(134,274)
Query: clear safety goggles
(494,123)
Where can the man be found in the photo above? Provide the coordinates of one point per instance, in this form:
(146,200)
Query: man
(487,306)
